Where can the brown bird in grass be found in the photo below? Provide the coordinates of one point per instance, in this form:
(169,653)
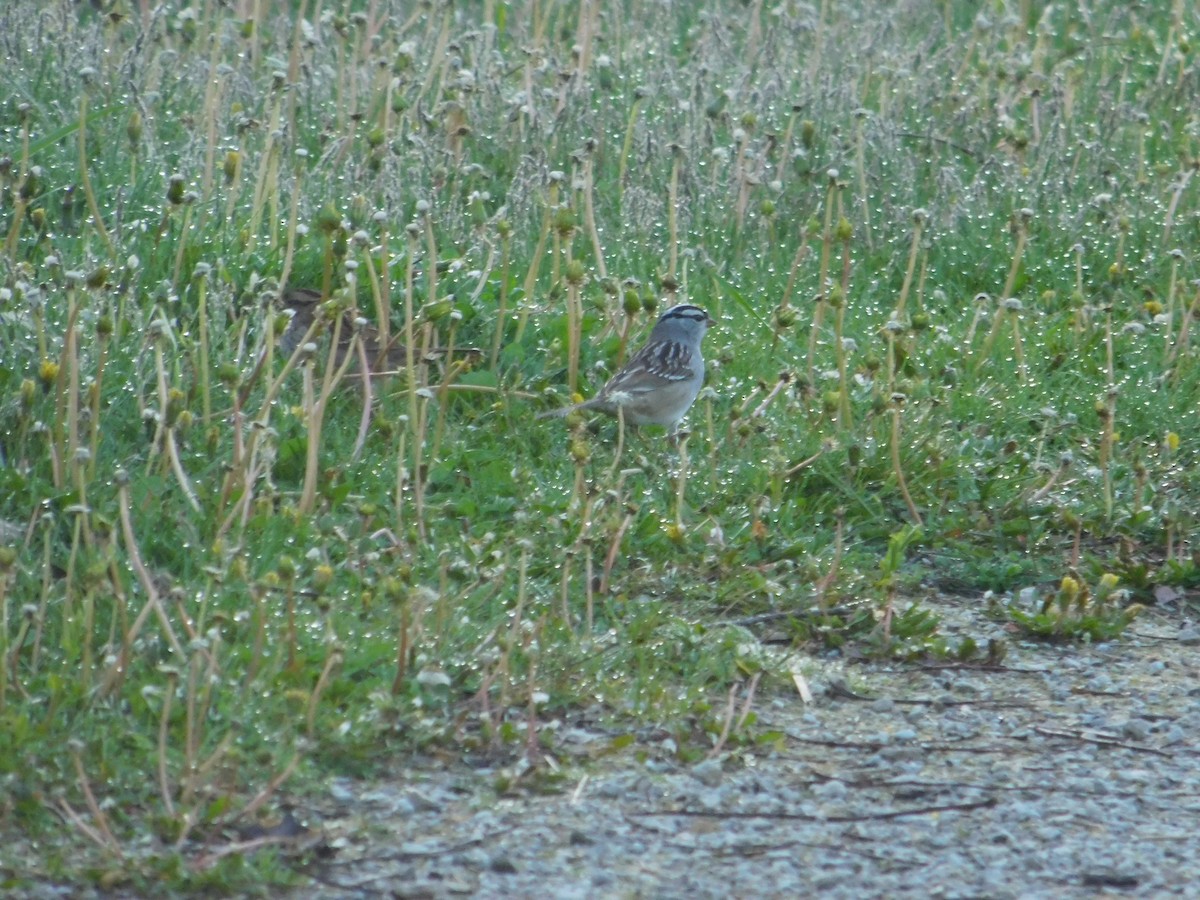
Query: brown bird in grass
(383,360)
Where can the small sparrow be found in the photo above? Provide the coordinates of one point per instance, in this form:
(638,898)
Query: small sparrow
(305,304)
(661,381)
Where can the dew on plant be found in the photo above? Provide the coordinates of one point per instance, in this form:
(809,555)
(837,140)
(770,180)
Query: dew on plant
(446,547)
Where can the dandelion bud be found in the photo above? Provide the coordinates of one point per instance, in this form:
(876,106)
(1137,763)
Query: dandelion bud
(133,129)
(32,185)
(631,302)
(286,568)
(808,133)
(322,576)
(564,221)
(175,190)
(97,278)
(232,166)
(48,373)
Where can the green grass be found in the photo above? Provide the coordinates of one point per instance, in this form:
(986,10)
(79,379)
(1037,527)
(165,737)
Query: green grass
(213,588)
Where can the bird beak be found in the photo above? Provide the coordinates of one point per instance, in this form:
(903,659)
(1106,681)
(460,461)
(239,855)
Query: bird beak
(711,320)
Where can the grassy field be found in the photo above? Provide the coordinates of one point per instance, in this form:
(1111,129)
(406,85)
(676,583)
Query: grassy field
(953,262)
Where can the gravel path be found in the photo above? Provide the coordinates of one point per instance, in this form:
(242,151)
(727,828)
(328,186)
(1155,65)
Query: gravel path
(1071,772)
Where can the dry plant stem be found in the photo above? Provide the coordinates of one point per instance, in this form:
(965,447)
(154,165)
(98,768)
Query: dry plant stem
(216,81)
(431,278)
(803,464)
(1170,42)
(1108,434)
(191,732)
(742,172)
(268,791)
(845,412)
(980,302)
(582,542)
(20,205)
(1018,352)
(574,335)
(589,214)
(160,370)
(589,597)
(627,144)
(589,11)
(410,338)
(1040,494)
(681,482)
(612,470)
(13,659)
(164,719)
(260,638)
(1181,338)
(1172,290)
(90,833)
(673,214)
(268,164)
(533,751)
(70,366)
(43,604)
(59,448)
(514,636)
(443,391)
(502,312)
(825,584)
(314,414)
(185,228)
(380,291)
(153,601)
(401,482)
(1176,195)
(4,645)
(614,548)
(98,815)
(536,264)
(79,536)
(822,279)
(364,421)
(790,288)
(205,390)
(293,222)
(439,59)
(332,662)
(402,648)
(1009,283)
(289,640)
(727,725)
(860,168)
(180,475)
(897,469)
(418,474)
(21,197)
(85,179)
(918,228)
(785,378)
